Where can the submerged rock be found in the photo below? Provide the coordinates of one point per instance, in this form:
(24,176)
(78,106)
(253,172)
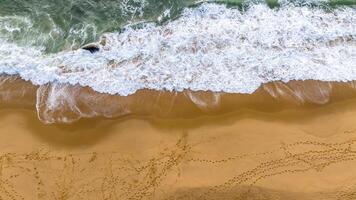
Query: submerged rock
(91,47)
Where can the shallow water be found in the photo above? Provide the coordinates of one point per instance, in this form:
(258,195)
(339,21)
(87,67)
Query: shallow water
(63,103)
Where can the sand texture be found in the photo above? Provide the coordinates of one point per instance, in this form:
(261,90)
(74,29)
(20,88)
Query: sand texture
(290,154)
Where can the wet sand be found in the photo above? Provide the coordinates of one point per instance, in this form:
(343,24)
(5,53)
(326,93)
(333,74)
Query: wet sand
(304,153)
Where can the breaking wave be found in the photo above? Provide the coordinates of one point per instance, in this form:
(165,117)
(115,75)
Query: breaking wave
(209,48)
(210,59)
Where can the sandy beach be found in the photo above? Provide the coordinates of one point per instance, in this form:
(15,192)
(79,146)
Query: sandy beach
(305,153)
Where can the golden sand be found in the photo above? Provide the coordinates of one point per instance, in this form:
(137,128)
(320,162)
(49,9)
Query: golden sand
(290,154)
(298,144)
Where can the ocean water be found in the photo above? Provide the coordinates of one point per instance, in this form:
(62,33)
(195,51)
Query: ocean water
(221,47)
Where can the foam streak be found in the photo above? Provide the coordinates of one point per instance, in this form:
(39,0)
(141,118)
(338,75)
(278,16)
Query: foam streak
(210,47)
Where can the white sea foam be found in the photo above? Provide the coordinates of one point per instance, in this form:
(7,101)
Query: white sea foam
(210,47)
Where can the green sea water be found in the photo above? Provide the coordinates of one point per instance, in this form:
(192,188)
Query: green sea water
(57,25)
(62,24)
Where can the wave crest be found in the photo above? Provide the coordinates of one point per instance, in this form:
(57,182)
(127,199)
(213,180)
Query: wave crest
(209,48)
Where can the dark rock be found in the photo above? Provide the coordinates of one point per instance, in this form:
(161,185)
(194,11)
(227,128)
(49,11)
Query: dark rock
(91,47)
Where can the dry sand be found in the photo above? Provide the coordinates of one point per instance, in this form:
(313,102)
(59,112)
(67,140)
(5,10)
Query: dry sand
(249,154)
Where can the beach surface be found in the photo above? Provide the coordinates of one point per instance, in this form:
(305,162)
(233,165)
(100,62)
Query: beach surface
(303,153)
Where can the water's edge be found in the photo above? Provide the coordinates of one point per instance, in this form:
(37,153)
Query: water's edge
(64,103)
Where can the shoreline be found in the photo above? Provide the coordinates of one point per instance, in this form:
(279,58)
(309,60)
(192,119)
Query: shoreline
(58,103)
